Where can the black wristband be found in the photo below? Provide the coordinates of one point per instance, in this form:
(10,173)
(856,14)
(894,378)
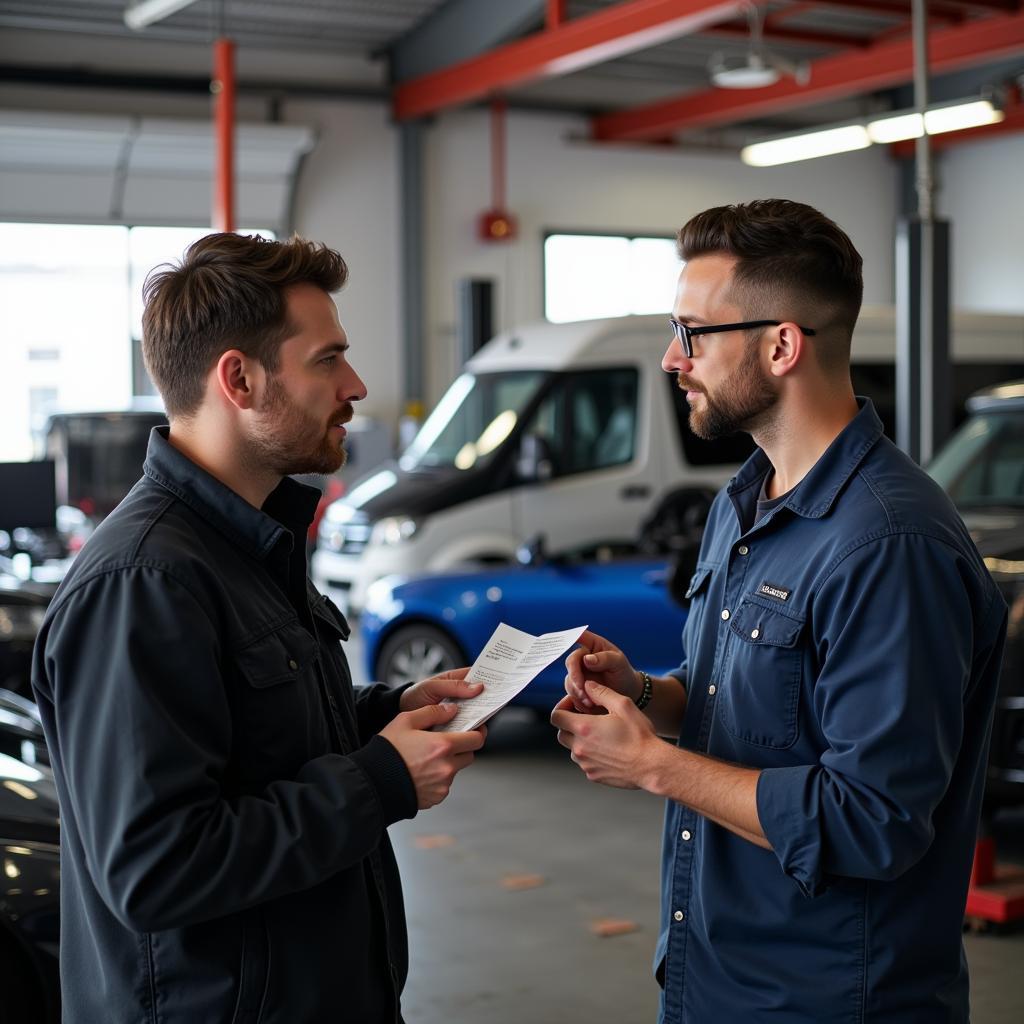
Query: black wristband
(647,692)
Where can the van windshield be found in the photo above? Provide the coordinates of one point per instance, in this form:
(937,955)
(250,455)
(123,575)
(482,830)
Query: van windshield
(983,463)
(476,414)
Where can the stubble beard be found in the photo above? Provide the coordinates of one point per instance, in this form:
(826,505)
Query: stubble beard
(292,441)
(743,402)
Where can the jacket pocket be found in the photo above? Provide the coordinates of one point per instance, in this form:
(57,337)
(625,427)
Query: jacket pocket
(759,702)
(280,714)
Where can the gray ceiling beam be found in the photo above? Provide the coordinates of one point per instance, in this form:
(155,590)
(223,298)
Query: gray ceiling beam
(458,30)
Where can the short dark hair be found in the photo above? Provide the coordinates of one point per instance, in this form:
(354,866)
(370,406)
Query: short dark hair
(227,292)
(792,263)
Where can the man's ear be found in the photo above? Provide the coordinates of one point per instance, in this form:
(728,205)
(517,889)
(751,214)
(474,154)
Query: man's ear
(239,377)
(786,349)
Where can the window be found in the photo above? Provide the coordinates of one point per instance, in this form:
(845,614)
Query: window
(588,421)
(72,301)
(594,276)
(983,465)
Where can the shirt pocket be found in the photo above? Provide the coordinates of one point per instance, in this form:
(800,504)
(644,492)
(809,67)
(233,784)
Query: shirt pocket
(281,721)
(760,698)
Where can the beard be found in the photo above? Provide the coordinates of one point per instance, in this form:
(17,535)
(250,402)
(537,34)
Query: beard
(290,440)
(742,402)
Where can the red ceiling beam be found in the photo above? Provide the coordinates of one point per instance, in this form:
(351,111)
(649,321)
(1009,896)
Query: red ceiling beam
(836,77)
(612,32)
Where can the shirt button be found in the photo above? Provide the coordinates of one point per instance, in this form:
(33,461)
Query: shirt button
(711,689)
(679,915)
(686,834)
(743,549)
(293,664)
(725,614)
(754,634)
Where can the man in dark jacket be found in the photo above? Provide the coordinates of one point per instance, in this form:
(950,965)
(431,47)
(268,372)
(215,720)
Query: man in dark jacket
(224,793)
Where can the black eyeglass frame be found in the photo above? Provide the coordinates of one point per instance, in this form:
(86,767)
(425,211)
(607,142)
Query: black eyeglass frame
(683,332)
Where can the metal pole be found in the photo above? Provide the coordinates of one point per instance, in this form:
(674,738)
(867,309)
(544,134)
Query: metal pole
(410,136)
(223,87)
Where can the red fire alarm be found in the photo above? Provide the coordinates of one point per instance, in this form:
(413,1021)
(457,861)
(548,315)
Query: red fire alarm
(496,226)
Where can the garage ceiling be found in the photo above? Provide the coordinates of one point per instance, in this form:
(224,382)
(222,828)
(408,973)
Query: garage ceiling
(644,78)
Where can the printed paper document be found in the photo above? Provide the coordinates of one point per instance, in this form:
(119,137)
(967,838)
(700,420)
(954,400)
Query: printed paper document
(510,660)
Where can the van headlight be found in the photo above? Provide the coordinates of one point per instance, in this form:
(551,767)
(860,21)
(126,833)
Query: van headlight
(393,530)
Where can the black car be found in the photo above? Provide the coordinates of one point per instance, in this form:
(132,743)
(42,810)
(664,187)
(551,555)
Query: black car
(29,870)
(982,469)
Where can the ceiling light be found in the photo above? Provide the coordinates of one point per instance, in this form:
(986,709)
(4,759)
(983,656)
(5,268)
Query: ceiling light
(895,127)
(146,12)
(806,146)
(758,67)
(949,117)
(954,118)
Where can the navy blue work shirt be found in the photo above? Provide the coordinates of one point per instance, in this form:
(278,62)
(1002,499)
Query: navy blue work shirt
(848,645)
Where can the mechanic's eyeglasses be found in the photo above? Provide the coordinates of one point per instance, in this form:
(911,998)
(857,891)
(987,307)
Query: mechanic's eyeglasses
(685,333)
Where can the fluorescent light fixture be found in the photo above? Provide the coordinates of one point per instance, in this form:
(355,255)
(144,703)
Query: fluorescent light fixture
(950,117)
(896,127)
(753,73)
(958,116)
(146,12)
(806,146)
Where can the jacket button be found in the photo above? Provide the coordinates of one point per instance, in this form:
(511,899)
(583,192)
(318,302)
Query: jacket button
(743,549)
(754,634)
(725,614)
(679,915)
(293,664)
(686,835)
(711,689)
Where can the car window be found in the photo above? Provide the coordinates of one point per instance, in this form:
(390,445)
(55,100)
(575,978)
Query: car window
(983,463)
(588,420)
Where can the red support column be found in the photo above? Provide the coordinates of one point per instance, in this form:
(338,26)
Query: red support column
(223,87)
(556,13)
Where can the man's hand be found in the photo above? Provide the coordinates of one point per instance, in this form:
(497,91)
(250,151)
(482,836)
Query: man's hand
(432,758)
(437,688)
(617,748)
(601,661)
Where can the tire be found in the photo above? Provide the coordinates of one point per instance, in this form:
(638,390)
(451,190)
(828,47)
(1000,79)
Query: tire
(416,651)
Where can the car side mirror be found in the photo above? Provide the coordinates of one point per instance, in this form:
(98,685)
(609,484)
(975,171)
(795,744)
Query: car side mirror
(532,552)
(534,460)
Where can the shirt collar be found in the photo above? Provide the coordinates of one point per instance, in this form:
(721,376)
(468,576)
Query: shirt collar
(813,496)
(286,514)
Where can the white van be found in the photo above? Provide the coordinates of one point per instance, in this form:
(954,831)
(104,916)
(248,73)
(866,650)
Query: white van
(572,431)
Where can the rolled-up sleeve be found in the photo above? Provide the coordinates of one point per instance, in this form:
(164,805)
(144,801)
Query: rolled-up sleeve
(894,633)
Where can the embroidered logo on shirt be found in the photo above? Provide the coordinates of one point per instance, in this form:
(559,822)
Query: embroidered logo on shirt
(771,590)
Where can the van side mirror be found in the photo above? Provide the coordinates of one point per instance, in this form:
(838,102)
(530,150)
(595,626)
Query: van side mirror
(534,460)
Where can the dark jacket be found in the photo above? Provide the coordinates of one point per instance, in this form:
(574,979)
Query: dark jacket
(224,798)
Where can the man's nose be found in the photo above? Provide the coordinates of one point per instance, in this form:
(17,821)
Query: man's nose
(675,360)
(354,390)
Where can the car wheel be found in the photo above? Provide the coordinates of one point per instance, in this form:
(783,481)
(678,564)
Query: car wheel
(415,652)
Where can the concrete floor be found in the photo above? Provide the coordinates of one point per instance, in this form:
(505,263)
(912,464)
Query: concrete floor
(484,952)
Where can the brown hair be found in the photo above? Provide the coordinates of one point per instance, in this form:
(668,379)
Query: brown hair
(792,263)
(227,292)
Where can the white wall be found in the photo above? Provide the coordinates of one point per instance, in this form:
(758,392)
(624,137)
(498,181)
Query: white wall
(557,183)
(348,197)
(980,193)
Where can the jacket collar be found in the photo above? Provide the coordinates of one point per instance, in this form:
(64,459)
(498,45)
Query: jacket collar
(285,515)
(813,496)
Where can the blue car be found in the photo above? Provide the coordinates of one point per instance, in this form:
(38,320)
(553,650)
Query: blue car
(414,627)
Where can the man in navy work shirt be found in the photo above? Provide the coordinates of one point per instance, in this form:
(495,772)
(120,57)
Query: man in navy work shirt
(224,794)
(842,652)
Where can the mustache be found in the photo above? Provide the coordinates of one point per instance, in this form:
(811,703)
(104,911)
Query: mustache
(344,414)
(686,384)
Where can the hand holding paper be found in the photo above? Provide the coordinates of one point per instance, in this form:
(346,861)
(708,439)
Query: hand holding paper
(510,660)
